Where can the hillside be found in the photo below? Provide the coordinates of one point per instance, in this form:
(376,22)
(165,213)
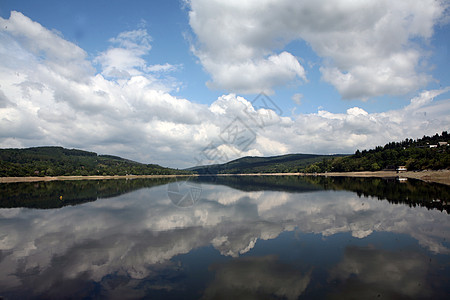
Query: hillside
(426,153)
(274,164)
(58,161)
(421,154)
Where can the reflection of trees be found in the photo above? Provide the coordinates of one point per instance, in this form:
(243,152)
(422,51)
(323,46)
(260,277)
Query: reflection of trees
(47,194)
(261,183)
(412,193)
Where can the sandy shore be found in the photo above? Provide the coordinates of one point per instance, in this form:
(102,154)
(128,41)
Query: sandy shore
(53,178)
(441,176)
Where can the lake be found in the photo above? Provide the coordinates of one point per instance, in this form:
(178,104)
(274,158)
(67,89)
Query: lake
(267,237)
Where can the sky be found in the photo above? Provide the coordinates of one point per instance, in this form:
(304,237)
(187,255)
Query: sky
(191,82)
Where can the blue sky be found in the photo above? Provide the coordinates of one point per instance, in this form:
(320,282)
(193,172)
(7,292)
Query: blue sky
(160,81)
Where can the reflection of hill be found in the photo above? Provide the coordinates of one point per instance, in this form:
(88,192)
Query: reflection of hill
(412,192)
(261,183)
(47,194)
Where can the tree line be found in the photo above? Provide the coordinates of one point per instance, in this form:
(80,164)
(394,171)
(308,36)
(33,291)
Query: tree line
(421,154)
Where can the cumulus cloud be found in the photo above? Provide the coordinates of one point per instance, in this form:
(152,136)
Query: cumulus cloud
(364,130)
(126,59)
(253,76)
(368,48)
(297,98)
(41,45)
(4,101)
(51,95)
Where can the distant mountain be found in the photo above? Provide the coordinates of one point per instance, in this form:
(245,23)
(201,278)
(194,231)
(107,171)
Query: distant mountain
(274,164)
(59,161)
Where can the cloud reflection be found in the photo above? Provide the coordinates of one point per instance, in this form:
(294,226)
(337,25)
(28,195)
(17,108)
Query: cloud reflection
(367,273)
(256,278)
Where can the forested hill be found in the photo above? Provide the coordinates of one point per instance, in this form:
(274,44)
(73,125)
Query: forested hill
(274,164)
(428,152)
(59,161)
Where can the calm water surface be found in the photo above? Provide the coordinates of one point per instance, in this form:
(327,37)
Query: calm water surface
(225,238)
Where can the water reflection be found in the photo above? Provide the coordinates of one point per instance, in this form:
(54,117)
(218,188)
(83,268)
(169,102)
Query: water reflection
(412,192)
(54,194)
(308,241)
(367,273)
(256,278)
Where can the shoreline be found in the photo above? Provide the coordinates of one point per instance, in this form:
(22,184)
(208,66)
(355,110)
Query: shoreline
(87,177)
(440,176)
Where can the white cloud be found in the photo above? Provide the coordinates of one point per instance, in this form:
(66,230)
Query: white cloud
(253,75)
(138,40)
(368,48)
(48,99)
(234,50)
(126,59)
(161,68)
(4,101)
(297,98)
(45,46)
